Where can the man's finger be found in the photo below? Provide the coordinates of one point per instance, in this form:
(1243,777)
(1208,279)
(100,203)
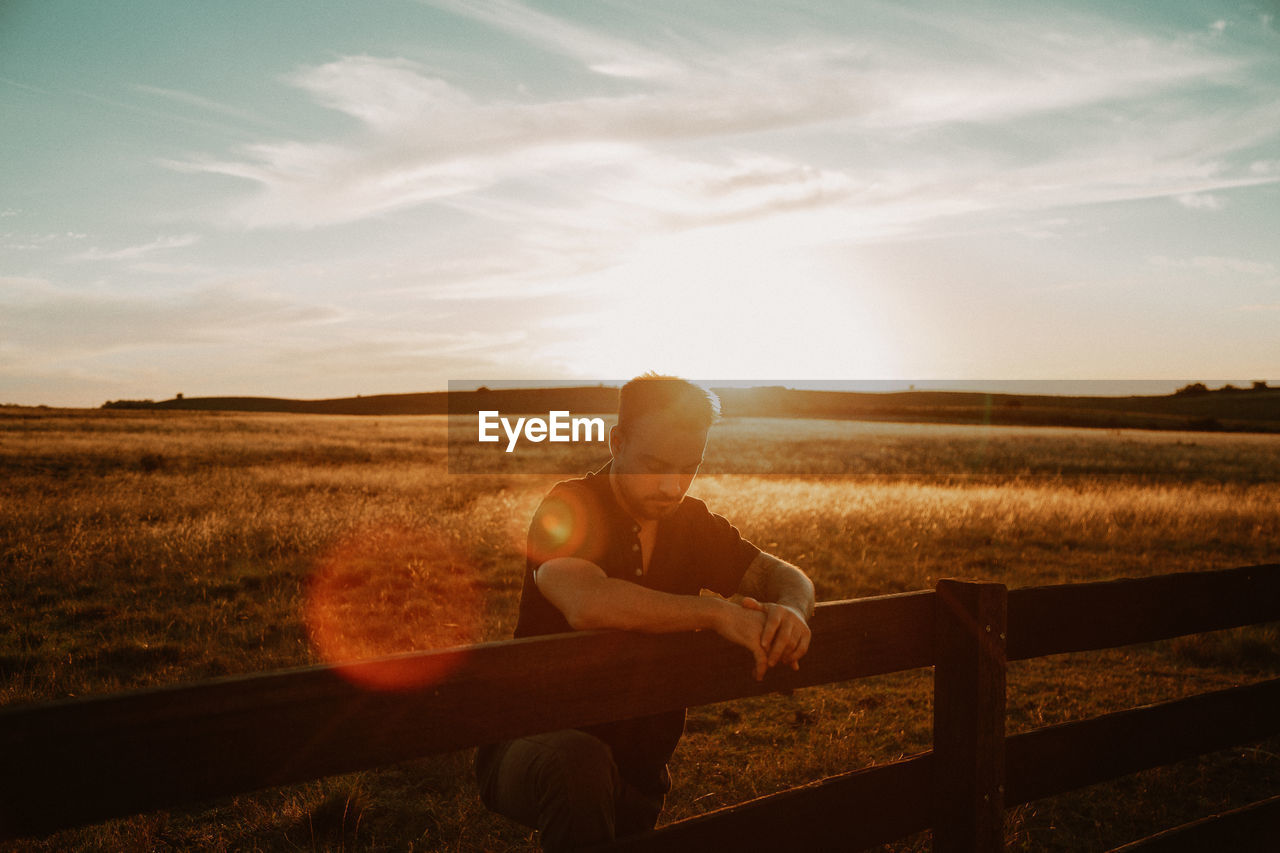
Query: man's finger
(783,642)
(791,628)
(801,647)
(792,652)
(761,665)
(771,626)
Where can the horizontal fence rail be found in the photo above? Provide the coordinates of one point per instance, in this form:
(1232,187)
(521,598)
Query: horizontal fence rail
(1048,620)
(86,760)
(882,802)
(1250,829)
(1064,757)
(78,761)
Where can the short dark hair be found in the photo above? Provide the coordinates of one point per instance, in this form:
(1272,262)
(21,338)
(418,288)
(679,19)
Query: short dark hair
(689,403)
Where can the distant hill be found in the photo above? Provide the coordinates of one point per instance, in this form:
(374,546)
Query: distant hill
(1237,410)
(1251,411)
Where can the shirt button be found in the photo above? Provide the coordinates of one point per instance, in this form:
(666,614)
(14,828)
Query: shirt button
(635,547)
(639,572)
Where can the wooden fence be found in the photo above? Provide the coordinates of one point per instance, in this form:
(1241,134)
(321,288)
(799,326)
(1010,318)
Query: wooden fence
(79,761)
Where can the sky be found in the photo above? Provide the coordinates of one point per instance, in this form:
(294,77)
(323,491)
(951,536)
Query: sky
(324,199)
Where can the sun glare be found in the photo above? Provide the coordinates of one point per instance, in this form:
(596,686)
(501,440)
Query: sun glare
(708,306)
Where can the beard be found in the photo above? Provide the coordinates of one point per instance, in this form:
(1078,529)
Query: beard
(642,502)
(658,508)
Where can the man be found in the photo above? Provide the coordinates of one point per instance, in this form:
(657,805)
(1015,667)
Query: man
(624,548)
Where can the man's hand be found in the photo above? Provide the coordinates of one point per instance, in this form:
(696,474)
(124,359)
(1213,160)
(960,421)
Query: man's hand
(744,626)
(788,599)
(785,635)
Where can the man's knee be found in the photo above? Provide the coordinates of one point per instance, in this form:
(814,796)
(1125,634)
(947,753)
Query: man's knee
(562,783)
(575,778)
(579,770)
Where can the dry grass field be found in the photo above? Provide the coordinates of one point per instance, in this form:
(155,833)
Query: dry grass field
(142,548)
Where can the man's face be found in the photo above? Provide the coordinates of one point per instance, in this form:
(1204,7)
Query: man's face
(654,462)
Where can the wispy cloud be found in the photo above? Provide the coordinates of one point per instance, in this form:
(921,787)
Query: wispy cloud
(25,241)
(208,105)
(116,104)
(26,87)
(1218,265)
(1200,201)
(599,52)
(628,156)
(59,321)
(426,140)
(133,253)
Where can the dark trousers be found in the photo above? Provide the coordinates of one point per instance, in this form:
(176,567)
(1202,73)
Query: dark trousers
(566,785)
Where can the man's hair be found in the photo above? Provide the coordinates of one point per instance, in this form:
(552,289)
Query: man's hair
(686,402)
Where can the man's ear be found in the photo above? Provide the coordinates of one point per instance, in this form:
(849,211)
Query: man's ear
(615,441)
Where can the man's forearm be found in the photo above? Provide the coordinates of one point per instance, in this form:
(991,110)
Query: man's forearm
(589,599)
(771,579)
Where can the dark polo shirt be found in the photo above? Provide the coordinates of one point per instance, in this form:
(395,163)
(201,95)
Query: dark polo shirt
(695,549)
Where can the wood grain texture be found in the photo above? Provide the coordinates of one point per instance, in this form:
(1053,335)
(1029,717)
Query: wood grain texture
(969,716)
(1050,620)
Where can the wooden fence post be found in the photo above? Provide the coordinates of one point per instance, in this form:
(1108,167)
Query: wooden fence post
(969,716)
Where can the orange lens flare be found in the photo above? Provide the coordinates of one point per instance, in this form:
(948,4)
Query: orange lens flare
(560,529)
(389,590)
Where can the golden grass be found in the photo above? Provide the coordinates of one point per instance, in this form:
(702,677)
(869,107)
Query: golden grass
(158,547)
(879,537)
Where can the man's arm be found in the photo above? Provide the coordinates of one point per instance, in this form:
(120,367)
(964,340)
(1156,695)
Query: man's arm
(785,595)
(589,598)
